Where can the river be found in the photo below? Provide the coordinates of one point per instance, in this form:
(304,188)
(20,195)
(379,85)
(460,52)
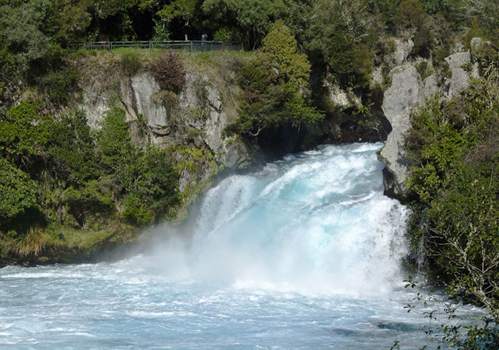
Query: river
(304,253)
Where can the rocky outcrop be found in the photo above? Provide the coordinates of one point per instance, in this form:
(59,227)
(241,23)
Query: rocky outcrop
(407,92)
(404,94)
(192,123)
(403,49)
(137,96)
(341,98)
(350,117)
(459,78)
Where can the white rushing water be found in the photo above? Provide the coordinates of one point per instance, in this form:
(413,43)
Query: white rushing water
(304,254)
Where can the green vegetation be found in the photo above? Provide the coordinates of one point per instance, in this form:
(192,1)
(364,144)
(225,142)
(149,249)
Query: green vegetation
(56,173)
(244,21)
(18,191)
(67,188)
(131,63)
(337,34)
(275,86)
(339,37)
(453,149)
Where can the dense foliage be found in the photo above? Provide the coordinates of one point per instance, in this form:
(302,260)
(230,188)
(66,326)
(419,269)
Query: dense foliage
(57,172)
(275,86)
(453,149)
(338,34)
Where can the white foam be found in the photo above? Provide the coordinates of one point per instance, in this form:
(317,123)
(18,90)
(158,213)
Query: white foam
(315,223)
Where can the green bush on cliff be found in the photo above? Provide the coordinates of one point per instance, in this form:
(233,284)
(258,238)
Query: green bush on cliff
(18,193)
(130,63)
(72,149)
(58,85)
(146,176)
(57,172)
(24,135)
(152,180)
(276,87)
(453,149)
(135,211)
(114,143)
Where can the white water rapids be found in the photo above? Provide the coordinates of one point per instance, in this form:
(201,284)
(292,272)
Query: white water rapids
(303,254)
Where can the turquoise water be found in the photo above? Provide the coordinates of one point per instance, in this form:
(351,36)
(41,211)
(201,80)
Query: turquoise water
(303,254)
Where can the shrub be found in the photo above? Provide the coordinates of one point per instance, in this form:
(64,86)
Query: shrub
(167,99)
(24,134)
(144,177)
(18,193)
(423,42)
(130,63)
(276,86)
(424,69)
(153,179)
(453,180)
(340,39)
(114,142)
(223,34)
(32,243)
(59,85)
(89,200)
(135,212)
(169,72)
(411,14)
(72,150)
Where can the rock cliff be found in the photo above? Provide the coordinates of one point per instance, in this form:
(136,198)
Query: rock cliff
(191,123)
(407,91)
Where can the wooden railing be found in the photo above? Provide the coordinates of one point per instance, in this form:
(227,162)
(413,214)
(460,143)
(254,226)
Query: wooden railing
(190,45)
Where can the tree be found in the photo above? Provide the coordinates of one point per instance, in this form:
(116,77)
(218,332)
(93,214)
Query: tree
(181,10)
(21,36)
(250,19)
(487,12)
(72,20)
(18,193)
(339,37)
(276,86)
(114,143)
(453,179)
(72,150)
(151,184)
(24,134)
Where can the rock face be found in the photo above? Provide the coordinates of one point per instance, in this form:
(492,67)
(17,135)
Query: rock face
(403,49)
(341,98)
(191,123)
(460,78)
(348,117)
(406,93)
(137,96)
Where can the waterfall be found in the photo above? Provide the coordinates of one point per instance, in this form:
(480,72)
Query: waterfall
(317,222)
(302,254)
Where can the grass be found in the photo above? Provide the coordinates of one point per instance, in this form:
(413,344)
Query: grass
(148,54)
(32,243)
(63,244)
